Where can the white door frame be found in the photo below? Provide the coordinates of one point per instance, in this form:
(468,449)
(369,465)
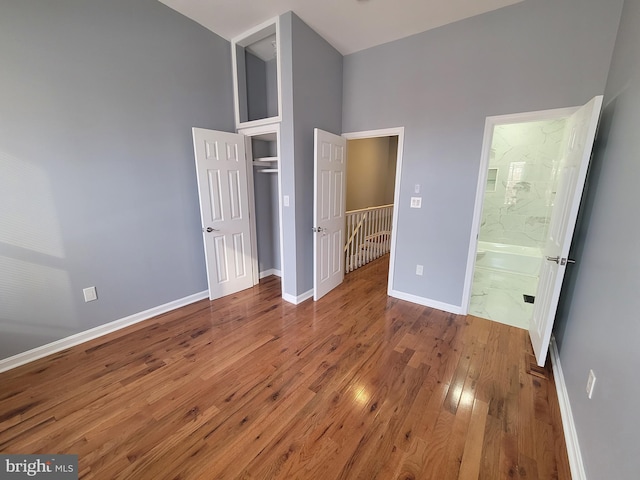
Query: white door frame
(387,132)
(489,126)
(248,134)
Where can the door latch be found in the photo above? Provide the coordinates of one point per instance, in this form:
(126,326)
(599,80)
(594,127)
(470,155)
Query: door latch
(561,261)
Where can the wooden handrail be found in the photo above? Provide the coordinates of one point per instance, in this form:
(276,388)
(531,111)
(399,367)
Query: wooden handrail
(368,208)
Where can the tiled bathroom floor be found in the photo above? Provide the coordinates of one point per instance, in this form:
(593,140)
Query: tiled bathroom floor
(497,296)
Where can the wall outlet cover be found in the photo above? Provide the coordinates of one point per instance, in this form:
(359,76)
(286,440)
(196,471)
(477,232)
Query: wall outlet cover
(90,294)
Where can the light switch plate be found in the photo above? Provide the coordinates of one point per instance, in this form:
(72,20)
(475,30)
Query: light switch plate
(416,202)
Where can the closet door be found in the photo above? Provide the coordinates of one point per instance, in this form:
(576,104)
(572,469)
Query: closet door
(224,208)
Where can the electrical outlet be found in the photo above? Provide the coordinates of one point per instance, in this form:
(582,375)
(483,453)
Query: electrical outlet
(285,200)
(591,383)
(90,294)
(419,270)
(416,188)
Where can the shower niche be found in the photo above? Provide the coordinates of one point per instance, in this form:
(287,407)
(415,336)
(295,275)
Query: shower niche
(256,74)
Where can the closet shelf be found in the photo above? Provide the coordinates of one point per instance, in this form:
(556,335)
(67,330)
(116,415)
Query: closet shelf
(268,170)
(265,159)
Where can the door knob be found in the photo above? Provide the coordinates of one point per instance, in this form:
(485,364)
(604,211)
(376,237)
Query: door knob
(209,230)
(554,259)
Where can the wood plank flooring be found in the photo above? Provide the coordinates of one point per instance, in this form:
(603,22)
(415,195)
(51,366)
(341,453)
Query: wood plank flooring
(356,386)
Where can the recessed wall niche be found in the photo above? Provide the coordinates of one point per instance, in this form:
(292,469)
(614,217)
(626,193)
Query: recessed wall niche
(257,75)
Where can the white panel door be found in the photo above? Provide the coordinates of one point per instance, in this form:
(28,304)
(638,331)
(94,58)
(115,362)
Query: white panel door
(224,207)
(571,175)
(329,205)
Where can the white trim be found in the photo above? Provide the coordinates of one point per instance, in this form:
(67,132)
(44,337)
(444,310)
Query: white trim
(490,124)
(389,132)
(427,302)
(271,271)
(85,336)
(259,123)
(568,424)
(248,37)
(255,269)
(299,299)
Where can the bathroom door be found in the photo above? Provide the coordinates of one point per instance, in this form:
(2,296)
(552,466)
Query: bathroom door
(571,176)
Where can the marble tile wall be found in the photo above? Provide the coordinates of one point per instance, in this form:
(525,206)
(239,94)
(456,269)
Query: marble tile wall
(525,156)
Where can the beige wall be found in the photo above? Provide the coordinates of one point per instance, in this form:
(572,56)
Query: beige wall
(371,170)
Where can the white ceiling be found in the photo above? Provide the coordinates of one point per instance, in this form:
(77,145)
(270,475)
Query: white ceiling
(349,25)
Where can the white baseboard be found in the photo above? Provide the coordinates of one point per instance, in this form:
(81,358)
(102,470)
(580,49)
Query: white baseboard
(568,425)
(78,338)
(427,302)
(269,272)
(299,299)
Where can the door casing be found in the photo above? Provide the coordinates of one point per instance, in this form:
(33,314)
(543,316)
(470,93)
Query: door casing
(248,134)
(388,132)
(489,127)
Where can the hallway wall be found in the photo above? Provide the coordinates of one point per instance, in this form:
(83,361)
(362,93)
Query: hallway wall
(371,172)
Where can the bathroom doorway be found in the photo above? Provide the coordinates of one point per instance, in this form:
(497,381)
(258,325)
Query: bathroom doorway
(518,198)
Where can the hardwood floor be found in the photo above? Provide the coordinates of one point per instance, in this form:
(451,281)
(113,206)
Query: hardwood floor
(356,386)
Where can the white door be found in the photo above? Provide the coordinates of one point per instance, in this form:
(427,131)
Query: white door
(222,186)
(571,175)
(328,206)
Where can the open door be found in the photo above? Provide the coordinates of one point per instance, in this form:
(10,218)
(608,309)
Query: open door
(222,187)
(571,176)
(328,207)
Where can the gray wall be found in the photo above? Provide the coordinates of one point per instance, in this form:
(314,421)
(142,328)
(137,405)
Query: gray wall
(256,79)
(311,98)
(260,80)
(266,201)
(267,223)
(597,326)
(97,177)
(441,85)
(287,158)
(317,103)
(271,72)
